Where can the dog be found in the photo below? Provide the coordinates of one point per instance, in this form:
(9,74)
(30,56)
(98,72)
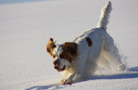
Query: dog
(80,58)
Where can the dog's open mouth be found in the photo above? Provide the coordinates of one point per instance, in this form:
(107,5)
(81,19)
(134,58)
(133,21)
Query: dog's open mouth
(60,69)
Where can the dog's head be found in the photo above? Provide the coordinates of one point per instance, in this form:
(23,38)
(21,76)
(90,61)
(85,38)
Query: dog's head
(63,54)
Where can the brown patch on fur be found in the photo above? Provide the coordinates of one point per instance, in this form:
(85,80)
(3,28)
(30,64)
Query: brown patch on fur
(89,41)
(69,51)
(50,47)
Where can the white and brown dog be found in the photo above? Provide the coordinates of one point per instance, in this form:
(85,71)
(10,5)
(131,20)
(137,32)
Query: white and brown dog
(79,58)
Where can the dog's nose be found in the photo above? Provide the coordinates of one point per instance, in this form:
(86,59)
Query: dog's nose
(56,62)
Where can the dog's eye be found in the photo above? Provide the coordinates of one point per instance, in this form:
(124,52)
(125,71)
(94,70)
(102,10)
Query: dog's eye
(53,46)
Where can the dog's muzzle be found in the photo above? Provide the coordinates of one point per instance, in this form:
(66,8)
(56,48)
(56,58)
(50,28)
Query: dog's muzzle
(56,64)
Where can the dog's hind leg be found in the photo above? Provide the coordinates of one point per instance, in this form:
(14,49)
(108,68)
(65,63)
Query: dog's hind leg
(103,61)
(112,54)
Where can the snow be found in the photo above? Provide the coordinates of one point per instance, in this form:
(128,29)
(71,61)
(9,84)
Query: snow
(25,29)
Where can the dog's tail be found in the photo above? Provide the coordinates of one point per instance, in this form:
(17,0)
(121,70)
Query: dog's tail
(104,16)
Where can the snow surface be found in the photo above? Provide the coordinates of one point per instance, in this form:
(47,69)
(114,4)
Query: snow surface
(25,29)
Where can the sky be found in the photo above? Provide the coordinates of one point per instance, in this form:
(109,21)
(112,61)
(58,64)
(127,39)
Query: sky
(18,1)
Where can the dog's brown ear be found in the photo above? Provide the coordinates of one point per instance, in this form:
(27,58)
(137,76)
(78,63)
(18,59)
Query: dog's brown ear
(71,47)
(51,41)
(50,46)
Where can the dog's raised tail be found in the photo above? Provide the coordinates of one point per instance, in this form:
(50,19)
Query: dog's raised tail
(105,16)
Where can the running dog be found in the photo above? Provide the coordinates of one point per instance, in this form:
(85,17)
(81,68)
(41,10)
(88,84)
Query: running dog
(79,58)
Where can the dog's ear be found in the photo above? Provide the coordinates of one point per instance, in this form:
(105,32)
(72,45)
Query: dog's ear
(50,46)
(52,41)
(70,47)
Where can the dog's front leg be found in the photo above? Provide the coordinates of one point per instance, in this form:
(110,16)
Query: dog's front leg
(79,72)
(73,78)
(76,76)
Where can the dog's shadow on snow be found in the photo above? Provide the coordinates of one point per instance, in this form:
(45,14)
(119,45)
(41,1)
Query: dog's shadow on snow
(132,73)
(51,87)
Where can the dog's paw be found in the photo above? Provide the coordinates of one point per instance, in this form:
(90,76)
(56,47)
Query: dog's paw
(66,82)
(122,67)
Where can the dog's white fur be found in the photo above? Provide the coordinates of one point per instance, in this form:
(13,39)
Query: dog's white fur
(102,51)
(104,16)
